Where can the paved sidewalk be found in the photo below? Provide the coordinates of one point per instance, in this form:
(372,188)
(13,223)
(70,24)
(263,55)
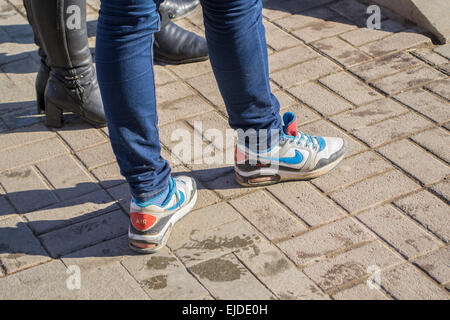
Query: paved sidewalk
(383,214)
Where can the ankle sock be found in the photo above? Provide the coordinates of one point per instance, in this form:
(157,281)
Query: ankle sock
(158,200)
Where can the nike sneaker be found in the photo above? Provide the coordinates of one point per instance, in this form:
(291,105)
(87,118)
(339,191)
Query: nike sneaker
(297,156)
(151,224)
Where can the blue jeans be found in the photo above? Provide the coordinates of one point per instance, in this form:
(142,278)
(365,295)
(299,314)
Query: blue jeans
(124,56)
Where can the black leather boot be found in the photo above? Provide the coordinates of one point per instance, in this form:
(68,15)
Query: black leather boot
(177,9)
(174,45)
(44,70)
(61,33)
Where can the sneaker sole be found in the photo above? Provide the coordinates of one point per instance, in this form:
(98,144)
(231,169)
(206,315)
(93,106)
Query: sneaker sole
(259,179)
(165,232)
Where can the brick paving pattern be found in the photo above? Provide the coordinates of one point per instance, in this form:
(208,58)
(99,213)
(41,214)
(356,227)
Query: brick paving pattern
(383,212)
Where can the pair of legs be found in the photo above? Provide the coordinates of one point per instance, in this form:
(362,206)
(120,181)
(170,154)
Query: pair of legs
(238,54)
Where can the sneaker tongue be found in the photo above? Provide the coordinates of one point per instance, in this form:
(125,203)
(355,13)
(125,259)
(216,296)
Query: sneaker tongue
(290,124)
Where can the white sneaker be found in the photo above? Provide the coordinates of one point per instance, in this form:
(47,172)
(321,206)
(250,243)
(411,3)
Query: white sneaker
(151,225)
(297,156)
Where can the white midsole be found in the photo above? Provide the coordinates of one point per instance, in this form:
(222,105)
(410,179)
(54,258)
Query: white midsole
(284,174)
(174,219)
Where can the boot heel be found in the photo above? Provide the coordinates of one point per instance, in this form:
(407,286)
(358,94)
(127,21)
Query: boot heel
(53,116)
(40,100)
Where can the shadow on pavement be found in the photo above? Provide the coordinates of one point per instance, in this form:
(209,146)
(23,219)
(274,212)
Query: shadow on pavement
(42,221)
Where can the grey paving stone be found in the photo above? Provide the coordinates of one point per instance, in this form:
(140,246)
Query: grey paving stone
(429,211)
(71,211)
(386,66)
(278,274)
(208,172)
(352,170)
(320,99)
(292,22)
(369,114)
(122,194)
(163,276)
(375,190)
(415,161)
(443,50)
(210,121)
(341,51)
(206,84)
(42,150)
(14,24)
(429,56)
(304,72)
(277,38)
(350,88)
(360,292)
(399,231)
(396,42)
(13,50)
(109,175)
(24,136)
(101,254)
(162,76)
(426,103)
(406,80)
(290,57)
(361,36)
(351,265)
(442,189)
(441,87)
(6,210)
(108,282)
(67,177)
(324,29)
(283,98)
(171,92)
(186,108)
(25,114)
(46,281)
(436,141)
(267,215)
(326,129)
(179,138)
(3,127)
(436,264)
(226,278)
(227,187)
(204,245)
(85,233)
(26,189)
(393,128)
(80,135)
(202,221)
(191,70)
(309,204)
(406,283)
(97,156)
(315,245)
(23,74)
(19,248)
(352,10)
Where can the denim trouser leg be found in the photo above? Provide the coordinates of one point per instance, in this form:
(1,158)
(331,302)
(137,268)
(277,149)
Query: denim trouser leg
(238,53)
(124,60)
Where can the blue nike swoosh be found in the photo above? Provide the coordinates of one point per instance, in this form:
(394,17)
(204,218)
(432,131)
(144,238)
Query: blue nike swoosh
(292,160)
(179,204)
